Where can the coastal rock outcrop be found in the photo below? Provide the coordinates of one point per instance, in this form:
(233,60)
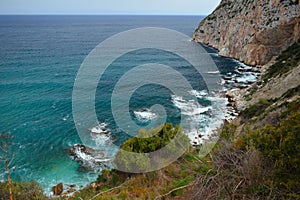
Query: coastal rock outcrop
(252,31)
(58,189)
(89,158)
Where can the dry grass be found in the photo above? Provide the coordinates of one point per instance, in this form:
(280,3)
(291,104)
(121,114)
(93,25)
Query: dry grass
(167,183)
(236,175)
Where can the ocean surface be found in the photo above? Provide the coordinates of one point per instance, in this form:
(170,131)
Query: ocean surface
(39,59)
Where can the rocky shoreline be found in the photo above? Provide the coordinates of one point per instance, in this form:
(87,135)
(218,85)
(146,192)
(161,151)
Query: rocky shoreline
(237,87)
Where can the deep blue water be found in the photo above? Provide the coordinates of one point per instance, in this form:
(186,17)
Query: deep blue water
(39,59)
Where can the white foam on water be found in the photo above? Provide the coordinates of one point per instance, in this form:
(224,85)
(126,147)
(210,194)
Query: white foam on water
(247,78)
(198,94)
(90,161)
(189,107)
(144,115)
(101,134)
(203,121)
(213,72)
(101,139)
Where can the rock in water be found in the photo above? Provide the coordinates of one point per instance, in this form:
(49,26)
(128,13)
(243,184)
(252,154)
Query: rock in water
(251,31)
(58,189)
(89,158)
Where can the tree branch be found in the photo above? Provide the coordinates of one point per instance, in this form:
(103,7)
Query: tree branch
(107,191)
(163,195)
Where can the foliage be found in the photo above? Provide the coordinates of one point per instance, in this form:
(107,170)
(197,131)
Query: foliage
(248,97)
(281,146)
(152,140)
(7,156)
(23,191)
(146,185)
(113,184)
(145,143)
(286,61)
(227,132)
(256,109)
(258,164)
(111,178)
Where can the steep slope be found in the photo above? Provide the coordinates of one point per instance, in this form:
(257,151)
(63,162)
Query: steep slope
(280,76)
(252,31)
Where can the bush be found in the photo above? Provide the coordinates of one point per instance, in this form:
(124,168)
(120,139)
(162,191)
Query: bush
(147,142)
(286,61)
(259,164)
(23,191)
(256,109)
(281,147)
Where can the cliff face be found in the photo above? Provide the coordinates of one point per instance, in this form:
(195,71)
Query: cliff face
(252,31)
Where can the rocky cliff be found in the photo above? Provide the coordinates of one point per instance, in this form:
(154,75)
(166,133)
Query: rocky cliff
(252,31)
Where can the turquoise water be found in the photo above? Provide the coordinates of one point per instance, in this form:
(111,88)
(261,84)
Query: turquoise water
(39,59)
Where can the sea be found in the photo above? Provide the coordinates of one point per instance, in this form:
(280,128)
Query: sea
(39,60)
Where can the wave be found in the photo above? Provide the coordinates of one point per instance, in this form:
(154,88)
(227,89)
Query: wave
(101,134)
(202,120)
(90,159)
(189,107)
(247,78)
(213,72)
(144,115)
(198,94)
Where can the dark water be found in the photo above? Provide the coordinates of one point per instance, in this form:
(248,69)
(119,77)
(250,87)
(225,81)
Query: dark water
(39,59)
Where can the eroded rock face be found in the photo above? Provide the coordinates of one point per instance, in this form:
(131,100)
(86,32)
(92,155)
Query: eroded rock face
(252,31)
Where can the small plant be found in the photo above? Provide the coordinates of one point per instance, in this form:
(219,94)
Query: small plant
(7,158)
(286,61)
(256,109)
(22,190)
(142,146)
(248,97)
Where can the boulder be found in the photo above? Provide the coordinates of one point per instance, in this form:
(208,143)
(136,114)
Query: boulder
(89,158)
(58,189)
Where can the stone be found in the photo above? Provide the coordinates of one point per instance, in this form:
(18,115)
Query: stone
(58,189)
(89,158)
(241,68)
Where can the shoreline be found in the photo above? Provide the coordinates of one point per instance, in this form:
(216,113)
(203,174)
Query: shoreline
(233,87)
(231,110)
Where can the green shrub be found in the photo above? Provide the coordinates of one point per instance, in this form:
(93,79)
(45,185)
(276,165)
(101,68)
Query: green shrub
(147,142)
(256,109)
(280,145)
(111,178)
(23,191)
(286,61)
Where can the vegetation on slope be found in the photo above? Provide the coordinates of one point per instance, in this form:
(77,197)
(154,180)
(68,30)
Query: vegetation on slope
(22,191)
(286,61)
(151,141)
(168,182)
(259,164)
